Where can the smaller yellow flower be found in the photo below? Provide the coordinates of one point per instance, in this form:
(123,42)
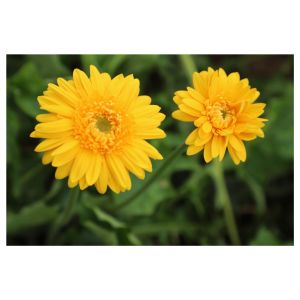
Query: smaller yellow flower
(223,110)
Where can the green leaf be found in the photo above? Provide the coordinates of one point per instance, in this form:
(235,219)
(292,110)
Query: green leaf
(27,104)
(146,203)
(12,135)
(87,60)
(166,226)
(115,62)
(13,151)
(127,238)
(91,202)
(265,237)
(25,86)
(105,236)
(49,66)
(30,216)
(280,128)
(273,155)
(105,217)
(108,222)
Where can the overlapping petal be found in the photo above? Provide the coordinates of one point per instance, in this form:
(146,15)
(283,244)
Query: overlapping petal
(223,110)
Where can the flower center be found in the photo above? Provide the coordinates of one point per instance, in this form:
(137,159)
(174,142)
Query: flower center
(100,127)
(103,125)
(220,114)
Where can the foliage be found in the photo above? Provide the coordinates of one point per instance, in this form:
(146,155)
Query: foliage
(180,208)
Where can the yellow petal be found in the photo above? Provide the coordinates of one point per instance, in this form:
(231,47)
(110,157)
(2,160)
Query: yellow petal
(191,150)
(181,116)
(207,152)
(188,110)
(100,82)
(223,146)
(64,170)
(66,146)
(149,123)
(138,157)
(181,95)
(255,110)
(47,158)
(246,136)
(207,127)
(48,144)
(58,109)
(192,137)
(233,154)
(149,134)
(203,139)
(177,100)
(72,184)
(55,105)
(55,126)
(46,118)
(118,171)
(116,85)
(82,184)
(145,110)
(193,104)
(148,149)
(51,135)
(80,165)
(215,146)
(63,158)
(200,121)
(132,167)
(233,79)
(65,92)
(113,184)
(242,154)
(94,169)
(195,95)
(144,100)
(129,93)
(236,143)
(102,182)
(82,83)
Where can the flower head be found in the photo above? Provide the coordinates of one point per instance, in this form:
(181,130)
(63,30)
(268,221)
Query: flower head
(223,110)
(95,130)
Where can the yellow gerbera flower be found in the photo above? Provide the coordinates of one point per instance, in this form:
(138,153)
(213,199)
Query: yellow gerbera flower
(95,130)
(223,110)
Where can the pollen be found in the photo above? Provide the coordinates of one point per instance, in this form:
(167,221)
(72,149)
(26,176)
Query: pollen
(221,115)
(100,127)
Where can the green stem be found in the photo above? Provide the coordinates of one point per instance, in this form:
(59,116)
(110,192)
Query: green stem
(67,213)
(217,174)
(177,151)
(31,173)
(188,65)
(224,198)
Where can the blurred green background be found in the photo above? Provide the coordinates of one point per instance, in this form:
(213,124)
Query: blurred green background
(180,208)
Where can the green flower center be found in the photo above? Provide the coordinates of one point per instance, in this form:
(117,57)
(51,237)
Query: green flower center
(103,125)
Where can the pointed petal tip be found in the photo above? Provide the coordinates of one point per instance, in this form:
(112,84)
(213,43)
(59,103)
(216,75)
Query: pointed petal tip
(32,134)
(93,68)
(159,156)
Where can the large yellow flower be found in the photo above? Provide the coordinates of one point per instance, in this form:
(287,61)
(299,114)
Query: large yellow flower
(223,110)
(95,130)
